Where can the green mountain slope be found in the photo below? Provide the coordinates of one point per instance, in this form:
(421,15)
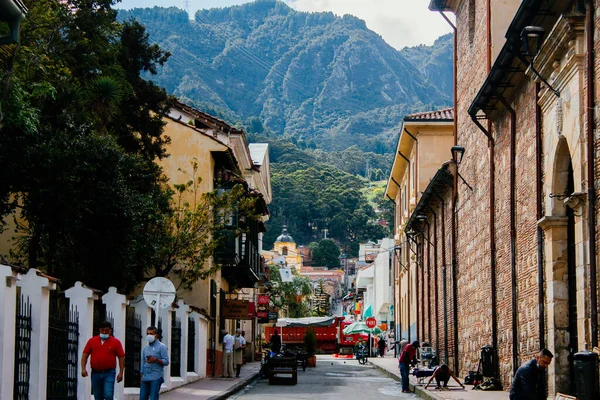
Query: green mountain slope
(327,93)
(310,76)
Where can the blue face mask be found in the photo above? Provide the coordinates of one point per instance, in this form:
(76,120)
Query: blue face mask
(150,338)
(104,336)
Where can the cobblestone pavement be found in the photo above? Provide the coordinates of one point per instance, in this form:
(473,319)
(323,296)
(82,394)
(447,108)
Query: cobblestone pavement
(338,379)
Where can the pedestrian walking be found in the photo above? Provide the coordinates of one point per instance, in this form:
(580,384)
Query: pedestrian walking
(228,342)
(155,357)
(409,352)
(105,350)
(238,351)
(528,383)
(275,342)
(381,344)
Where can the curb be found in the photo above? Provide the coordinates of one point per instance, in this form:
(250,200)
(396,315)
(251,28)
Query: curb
(235,388)
(420,392)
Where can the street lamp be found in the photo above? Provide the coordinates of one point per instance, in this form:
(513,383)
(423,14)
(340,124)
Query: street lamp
(457,153)
(532,38)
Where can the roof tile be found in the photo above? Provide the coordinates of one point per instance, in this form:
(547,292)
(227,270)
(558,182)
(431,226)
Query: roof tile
(445,114)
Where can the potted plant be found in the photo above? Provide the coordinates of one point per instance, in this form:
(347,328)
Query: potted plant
(310,345)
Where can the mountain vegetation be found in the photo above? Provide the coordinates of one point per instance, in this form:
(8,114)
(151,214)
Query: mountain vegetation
(326,81)
(326,92)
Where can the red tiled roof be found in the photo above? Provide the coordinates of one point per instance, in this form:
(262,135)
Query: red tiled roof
(445,114)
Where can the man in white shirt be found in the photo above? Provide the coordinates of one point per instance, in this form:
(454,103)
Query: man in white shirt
(228,342)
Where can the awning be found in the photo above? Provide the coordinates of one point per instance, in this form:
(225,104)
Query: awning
(385,308)
(368,312)
(302,322)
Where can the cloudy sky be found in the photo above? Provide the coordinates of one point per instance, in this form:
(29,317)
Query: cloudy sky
(400,22)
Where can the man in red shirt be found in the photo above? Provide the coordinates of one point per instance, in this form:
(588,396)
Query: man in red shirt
(409,352)
(104,349)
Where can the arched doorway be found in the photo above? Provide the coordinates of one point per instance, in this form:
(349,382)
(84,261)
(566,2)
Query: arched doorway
(561,261)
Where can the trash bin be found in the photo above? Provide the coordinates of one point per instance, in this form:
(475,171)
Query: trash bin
(586,375)
(488,364)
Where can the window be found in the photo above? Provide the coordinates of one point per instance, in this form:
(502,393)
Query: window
(284,251)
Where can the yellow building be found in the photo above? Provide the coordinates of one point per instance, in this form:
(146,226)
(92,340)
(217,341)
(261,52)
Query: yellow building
(285,252)
(424,144)
(223,157)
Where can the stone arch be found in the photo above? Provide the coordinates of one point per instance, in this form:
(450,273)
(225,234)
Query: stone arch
(561,173)
(560,270)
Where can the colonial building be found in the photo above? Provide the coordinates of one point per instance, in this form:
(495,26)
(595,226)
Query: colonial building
(284,253)
(424,143)
(223,158)
(505,237)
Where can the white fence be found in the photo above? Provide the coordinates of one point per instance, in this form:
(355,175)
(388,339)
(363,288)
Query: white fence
(30,351)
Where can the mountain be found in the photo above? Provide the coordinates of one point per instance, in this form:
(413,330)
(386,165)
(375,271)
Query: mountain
(324,81)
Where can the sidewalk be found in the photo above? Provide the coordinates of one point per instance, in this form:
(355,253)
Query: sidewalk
(389,365)
(214,388)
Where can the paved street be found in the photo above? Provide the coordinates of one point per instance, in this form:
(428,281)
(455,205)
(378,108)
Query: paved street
(333,378)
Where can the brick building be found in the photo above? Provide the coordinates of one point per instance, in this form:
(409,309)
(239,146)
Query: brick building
(502,234)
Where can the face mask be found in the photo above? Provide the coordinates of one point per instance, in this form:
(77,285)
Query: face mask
(150,338)
(104,336)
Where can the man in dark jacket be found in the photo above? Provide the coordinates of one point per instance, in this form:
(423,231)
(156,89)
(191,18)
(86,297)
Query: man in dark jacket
(529,383)
(275,342)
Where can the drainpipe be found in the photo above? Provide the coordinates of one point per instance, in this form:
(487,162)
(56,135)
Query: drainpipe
(513,231)
(590,169)
(492,166)
(435,281)
(454,268)
(408,283)
(418,261)
(538,198)
(444,285)
(428,283)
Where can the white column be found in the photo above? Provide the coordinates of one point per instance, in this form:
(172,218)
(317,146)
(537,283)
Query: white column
(182,313)
(197,372)
(37,287)
(8,299)
(82,298)
(166,317)
(116,305)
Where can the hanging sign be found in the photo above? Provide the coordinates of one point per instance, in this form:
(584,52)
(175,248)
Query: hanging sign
(236,309)
(262,310)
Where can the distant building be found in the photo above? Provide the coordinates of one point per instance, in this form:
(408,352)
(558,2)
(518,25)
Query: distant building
(285,252)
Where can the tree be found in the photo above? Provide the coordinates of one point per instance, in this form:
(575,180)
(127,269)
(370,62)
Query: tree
(79,135)
(320,300)
(325,253)
(290,297)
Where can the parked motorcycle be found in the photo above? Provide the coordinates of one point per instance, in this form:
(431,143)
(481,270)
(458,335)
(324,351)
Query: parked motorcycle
(362,355)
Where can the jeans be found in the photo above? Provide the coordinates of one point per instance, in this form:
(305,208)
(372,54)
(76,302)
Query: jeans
(149,390)
(404,369)
(103,384)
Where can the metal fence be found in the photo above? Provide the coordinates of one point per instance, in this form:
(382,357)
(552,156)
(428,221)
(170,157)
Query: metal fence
(191,350)
(100,315)
(175,346)
(133,344)
(22,349)
(63,339)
